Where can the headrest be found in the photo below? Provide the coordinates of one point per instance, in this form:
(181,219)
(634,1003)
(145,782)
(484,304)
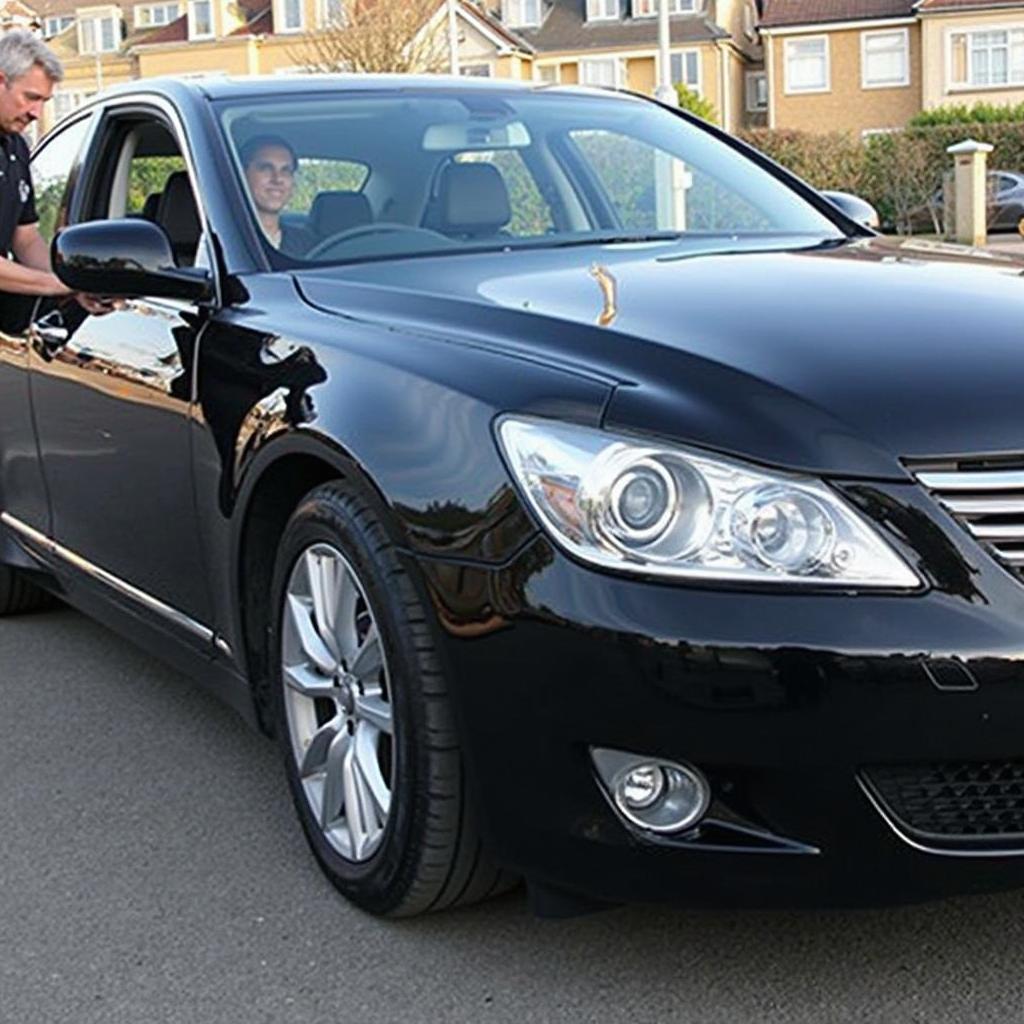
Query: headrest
(473,199)
(151,206)
(332,212)
(177,213)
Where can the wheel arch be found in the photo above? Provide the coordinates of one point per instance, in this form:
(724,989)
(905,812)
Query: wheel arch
(275,484)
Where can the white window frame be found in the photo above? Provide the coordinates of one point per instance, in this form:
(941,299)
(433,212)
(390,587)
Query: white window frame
(554,80)
(192,33)
(864,37)
(323,14)
(486,65)
(674,7)
(805,91)
(614,61)
(969,86)
(513,13)
(57,23)
(280,28)
(748,91)
(139,8)
(76,98)
(96,16)
(602,7)
(682,54)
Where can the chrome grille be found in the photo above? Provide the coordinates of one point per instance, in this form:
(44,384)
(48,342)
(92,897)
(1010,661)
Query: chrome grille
(987,500)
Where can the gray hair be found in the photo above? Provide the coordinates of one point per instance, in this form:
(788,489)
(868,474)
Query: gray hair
(21,50)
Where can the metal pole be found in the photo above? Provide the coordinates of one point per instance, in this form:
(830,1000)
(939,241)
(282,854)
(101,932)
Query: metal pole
(453,38)
(665,92)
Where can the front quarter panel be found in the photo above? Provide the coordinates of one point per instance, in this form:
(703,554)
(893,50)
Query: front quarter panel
(412,415)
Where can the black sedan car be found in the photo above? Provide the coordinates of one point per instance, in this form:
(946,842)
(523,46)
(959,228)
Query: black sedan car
(575,494)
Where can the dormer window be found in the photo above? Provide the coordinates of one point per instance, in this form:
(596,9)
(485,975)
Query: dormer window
(152,15)
(650,8)
(521,13)
(602,10)
(54,25)
(99,30)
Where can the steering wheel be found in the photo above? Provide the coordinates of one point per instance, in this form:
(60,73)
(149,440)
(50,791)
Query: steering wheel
(383,227)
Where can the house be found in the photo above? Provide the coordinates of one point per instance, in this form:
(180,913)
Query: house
(715,47)
(864,66)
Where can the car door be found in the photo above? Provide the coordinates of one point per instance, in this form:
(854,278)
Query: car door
(22,490)
(112,392)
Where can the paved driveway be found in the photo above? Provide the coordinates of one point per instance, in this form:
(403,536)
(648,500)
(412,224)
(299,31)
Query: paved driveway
(150,871)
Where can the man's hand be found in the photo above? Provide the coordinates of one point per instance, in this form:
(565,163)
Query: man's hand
(97,305)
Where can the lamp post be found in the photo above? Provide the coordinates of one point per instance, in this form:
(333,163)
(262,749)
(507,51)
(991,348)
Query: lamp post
(665,92)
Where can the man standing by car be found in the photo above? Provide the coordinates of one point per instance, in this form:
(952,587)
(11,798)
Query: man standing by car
(28,73)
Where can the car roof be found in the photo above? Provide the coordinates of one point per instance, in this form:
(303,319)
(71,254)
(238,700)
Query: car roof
(230,87)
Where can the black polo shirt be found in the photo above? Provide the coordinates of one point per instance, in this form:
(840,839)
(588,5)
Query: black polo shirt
(17,200)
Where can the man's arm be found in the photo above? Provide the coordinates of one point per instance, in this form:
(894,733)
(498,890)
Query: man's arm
(32,274)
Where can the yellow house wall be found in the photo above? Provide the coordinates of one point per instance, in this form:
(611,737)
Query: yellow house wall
(937,90)
(846,107)
(193,58)
(640,74)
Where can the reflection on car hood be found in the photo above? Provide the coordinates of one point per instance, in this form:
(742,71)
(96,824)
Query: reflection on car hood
(839,359)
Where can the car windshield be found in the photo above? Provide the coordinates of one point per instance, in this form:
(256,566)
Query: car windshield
(352,176)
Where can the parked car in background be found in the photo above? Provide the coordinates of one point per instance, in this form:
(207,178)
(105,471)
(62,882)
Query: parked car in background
(574,493)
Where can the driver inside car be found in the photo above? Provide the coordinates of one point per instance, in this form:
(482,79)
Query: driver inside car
(270,165)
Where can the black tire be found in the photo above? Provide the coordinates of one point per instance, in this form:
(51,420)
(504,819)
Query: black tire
(18,595)
(430,856)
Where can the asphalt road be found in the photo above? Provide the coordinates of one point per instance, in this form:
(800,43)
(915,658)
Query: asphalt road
(150,871)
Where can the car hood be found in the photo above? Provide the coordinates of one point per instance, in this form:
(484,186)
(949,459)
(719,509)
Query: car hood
(842,358)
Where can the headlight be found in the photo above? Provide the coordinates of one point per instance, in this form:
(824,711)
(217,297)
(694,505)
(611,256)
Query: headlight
(669,511)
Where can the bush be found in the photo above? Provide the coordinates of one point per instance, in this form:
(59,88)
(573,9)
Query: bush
(980,113)
(695,104)
(899,172)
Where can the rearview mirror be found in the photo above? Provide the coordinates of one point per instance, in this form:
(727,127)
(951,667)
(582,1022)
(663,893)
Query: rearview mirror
(124,259)
(468,135)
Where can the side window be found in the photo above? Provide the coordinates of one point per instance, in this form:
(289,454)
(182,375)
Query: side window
(53,170)
(144,175)
(651,190)
(531,215)
(147,177)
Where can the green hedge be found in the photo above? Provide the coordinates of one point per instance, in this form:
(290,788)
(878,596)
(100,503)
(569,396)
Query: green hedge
(898,173)
(979,113)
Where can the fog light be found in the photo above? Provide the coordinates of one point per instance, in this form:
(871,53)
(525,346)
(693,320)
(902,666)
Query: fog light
(661,796)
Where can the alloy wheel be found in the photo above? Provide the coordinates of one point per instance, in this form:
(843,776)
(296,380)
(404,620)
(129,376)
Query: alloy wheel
(338,701)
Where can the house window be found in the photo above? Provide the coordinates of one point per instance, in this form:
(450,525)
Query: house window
(521,13)
(650,8)
(807,64)
(757,91)
(475,70)
(55,25)
(685,69)
(599,71)
(885,59)
(65,103)
(151,15)
(99,33)
(200,19)
(549,73)
(290,19)
(990,58)
(602,10)
(331,12)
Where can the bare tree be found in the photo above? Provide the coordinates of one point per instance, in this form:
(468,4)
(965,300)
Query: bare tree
(379,36)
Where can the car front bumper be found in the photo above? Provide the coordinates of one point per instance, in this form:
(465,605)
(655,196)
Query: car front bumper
(788,702)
